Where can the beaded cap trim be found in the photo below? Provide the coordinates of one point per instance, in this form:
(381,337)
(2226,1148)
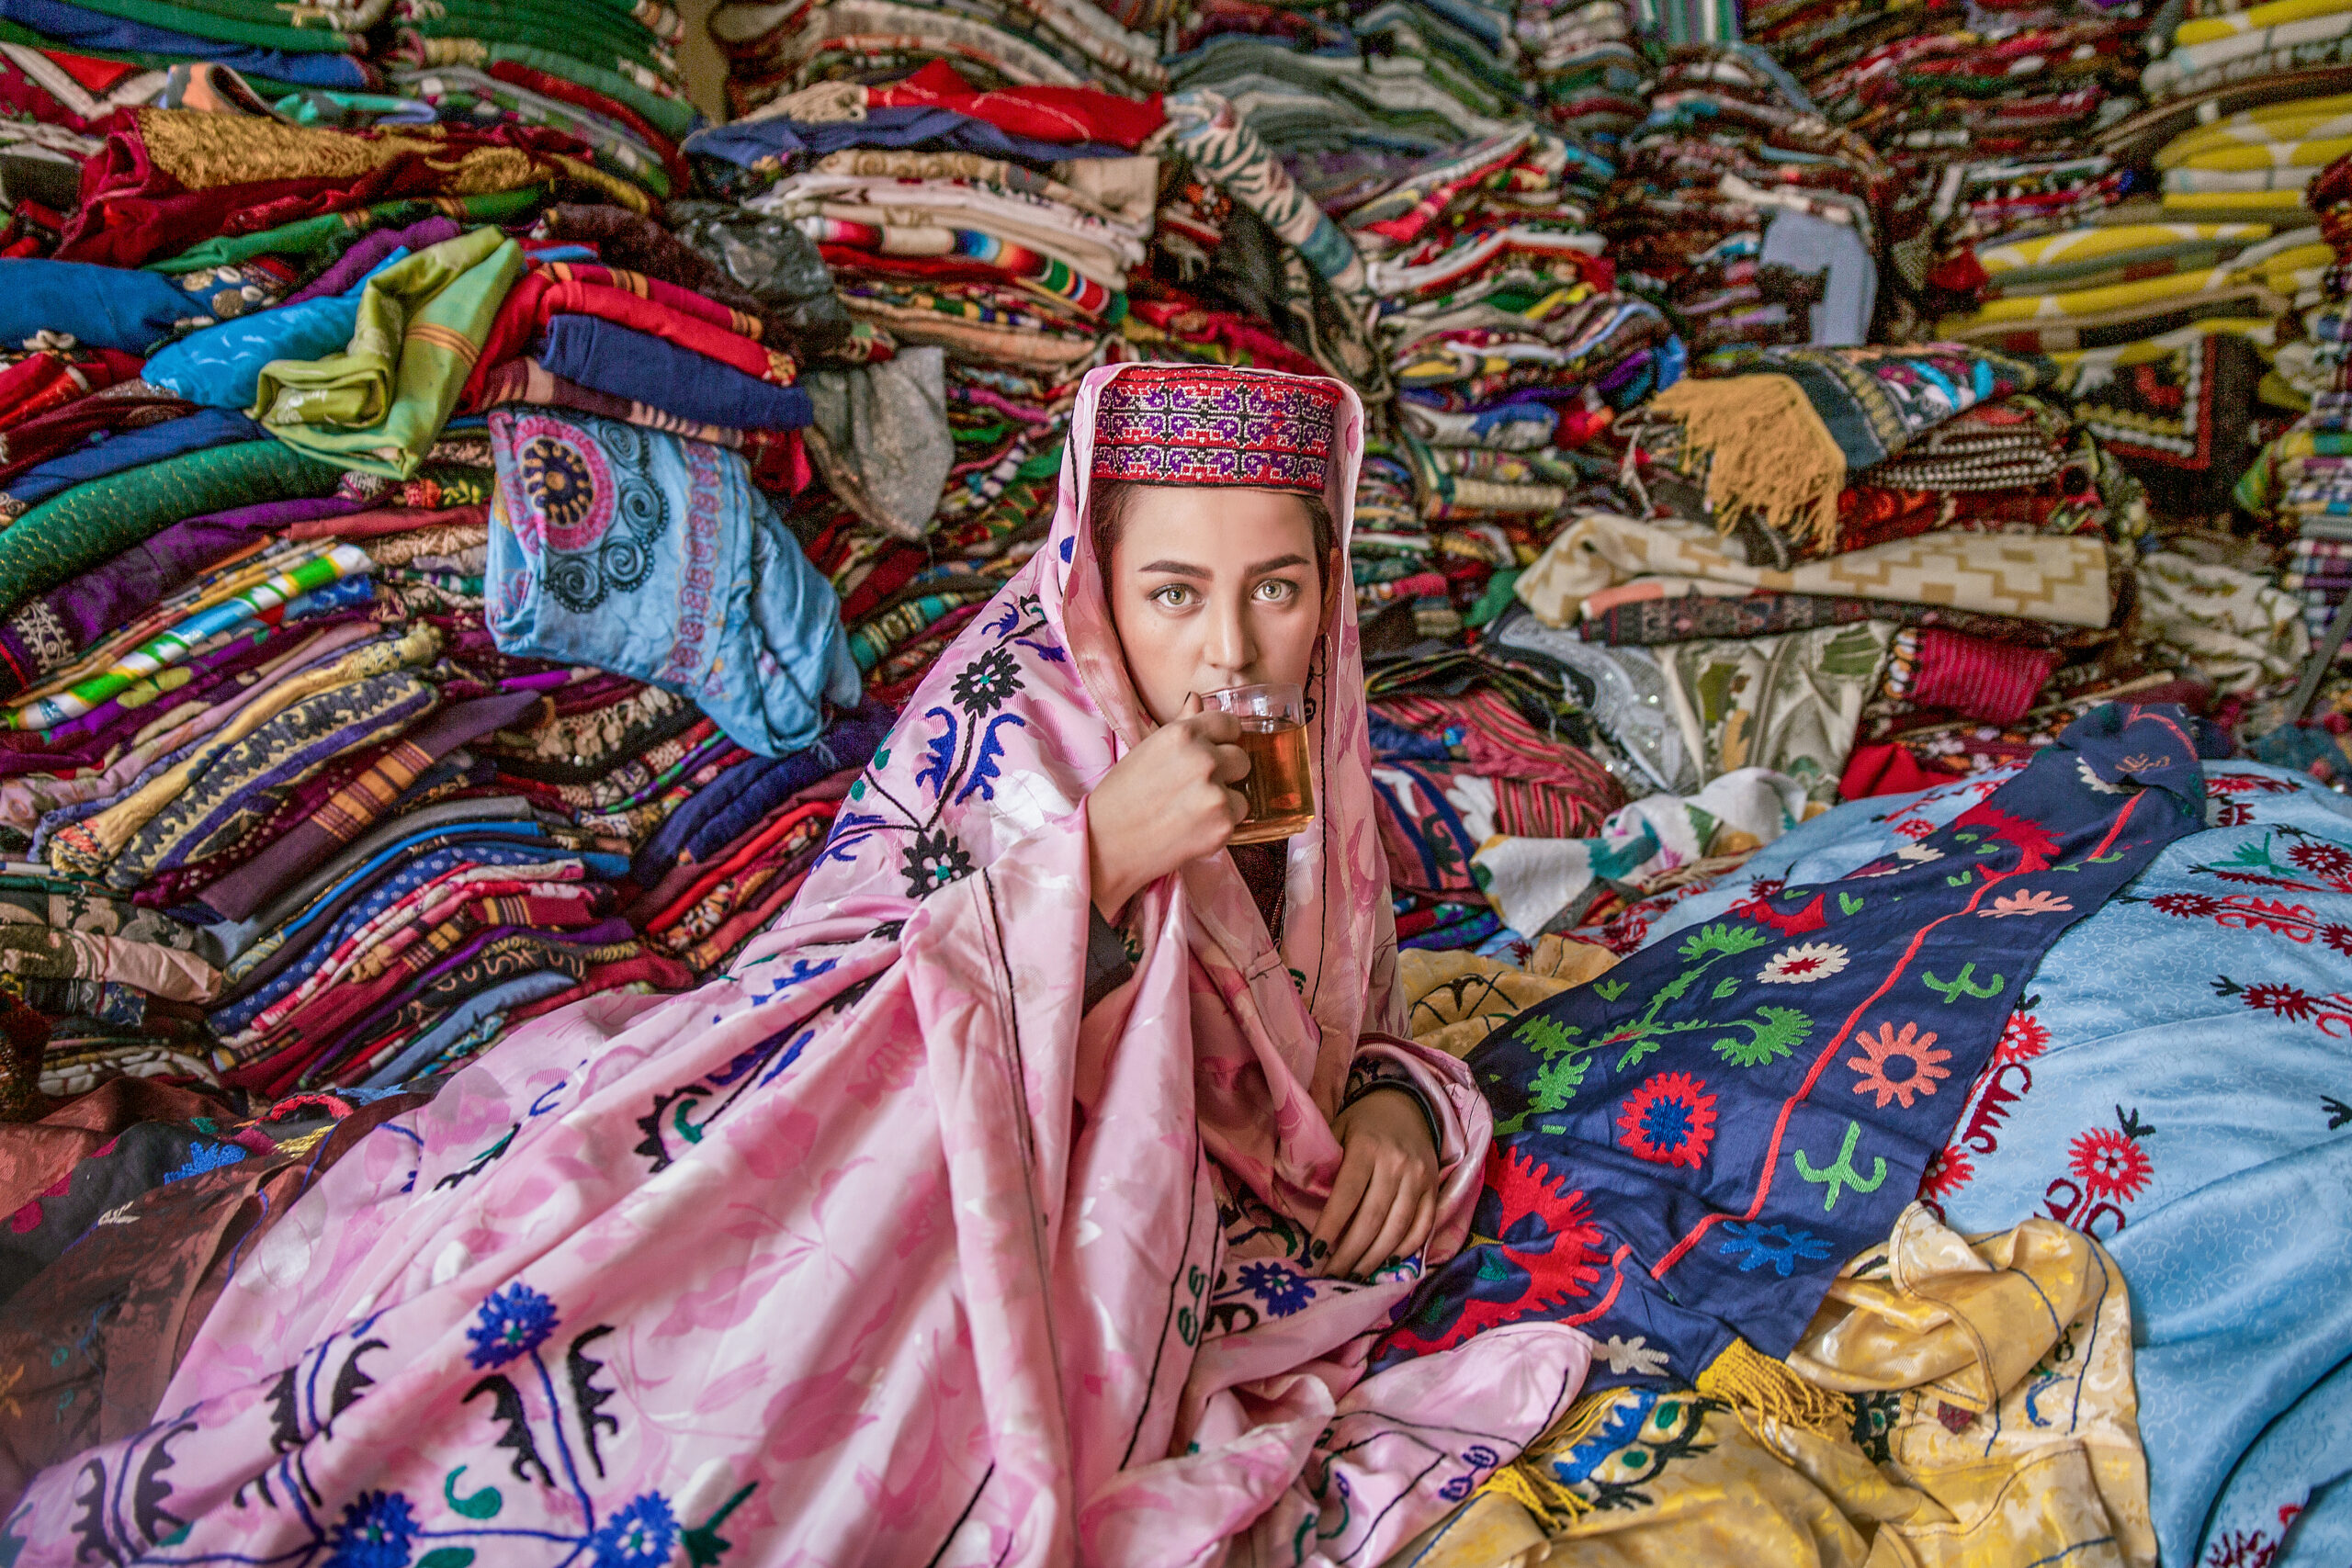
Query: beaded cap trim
(1183,425)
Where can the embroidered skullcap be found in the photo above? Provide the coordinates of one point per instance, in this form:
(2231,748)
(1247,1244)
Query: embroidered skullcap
(1192,424)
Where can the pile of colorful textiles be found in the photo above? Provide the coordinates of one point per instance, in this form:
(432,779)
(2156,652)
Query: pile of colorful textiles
(2155,260)
(974,185)
(402,633)
(1344,97)
(1509,350)
(1749,217)
(1981,113)
(1583,60)
(2301,483)
(67,69)
(1866,567)
(2101,1109)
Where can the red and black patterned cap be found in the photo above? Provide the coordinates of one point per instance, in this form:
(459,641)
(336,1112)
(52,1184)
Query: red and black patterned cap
(1203,424)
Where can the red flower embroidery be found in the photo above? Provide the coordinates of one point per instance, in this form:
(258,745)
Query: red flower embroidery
(2023,1038)
(1670,1119)
(1949,1170)
(2289,1002)
(2188,906)
(2322,859)
(2109,1164)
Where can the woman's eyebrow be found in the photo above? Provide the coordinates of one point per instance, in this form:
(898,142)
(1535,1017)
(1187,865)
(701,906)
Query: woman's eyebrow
(1276,564)
(1178,568)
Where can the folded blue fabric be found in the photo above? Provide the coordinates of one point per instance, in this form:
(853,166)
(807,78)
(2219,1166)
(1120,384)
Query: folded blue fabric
(221,367)
(73,28)
(648,555)
(102,307)
(622,362)
(461,1020)
(131,449)
(943,130)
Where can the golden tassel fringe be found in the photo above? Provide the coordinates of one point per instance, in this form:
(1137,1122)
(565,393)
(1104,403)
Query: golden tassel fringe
(1757,1386)
(1771,453)
(1529,1483)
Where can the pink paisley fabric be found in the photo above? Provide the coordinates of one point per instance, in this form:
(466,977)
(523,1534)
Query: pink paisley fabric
(877,1251)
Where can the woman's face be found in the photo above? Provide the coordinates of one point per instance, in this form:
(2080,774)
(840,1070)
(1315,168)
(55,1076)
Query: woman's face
(1211,589)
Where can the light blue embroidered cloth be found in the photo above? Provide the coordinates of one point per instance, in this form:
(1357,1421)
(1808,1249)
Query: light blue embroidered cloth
(2180,1087)
(645,553)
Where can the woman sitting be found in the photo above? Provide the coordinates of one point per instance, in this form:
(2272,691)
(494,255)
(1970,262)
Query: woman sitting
(900,1245)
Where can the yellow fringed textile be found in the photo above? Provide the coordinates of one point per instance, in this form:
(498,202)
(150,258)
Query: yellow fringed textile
(1769,453)
(1530,1482)
(1756,1385)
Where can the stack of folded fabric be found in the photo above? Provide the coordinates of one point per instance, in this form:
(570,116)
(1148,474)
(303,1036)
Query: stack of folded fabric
(1589,77)
(1863,567)
(604,71)
(1739,210)
(2302,484)
(66,69)
(1511,355)
(401,637)
(980,206)
(775,50)
(1343,101)
(1980,112)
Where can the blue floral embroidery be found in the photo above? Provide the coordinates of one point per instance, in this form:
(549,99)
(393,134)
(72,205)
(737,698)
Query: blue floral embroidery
(375,1532)
(1756,1245)
(202,1158)
(984,770)
(939,754)
(1282,1290)
(509,1325)
(638,1536)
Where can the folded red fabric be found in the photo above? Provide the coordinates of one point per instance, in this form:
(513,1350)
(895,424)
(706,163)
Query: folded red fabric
(1976,678)
(1046,113)
(1886,769)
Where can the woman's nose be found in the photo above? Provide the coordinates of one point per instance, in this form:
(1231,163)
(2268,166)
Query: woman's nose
(1229,645)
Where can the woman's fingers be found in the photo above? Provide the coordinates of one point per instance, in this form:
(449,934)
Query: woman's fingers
(1347,1194)
(1424,1222)
(1389,1245)
(1348,1254)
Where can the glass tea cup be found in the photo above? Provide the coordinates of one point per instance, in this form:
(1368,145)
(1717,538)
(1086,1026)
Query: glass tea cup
(1281,787)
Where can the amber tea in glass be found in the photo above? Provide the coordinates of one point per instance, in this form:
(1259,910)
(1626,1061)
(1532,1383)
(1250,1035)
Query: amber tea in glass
(1281,787)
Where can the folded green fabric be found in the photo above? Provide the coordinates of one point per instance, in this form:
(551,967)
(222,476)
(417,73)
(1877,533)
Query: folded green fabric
(330,234)
(673,117)
(376,406)
(73,531)
(560,25)
(227,21)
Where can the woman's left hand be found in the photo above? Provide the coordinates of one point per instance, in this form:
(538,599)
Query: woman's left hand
(1383,1203)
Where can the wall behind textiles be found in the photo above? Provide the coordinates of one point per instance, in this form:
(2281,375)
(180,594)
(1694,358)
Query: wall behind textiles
(706,68)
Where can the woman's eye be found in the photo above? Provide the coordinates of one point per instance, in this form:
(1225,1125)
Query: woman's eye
(1275,590)
(1175,596)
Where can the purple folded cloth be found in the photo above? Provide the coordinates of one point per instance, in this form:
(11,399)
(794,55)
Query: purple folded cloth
(357,262)
(50,630)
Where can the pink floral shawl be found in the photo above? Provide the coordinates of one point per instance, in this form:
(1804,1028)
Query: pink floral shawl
(880,1249)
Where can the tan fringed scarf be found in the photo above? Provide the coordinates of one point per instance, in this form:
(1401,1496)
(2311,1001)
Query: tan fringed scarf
(1771,454)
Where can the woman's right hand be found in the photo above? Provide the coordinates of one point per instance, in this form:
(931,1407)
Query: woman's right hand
(1167,802)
